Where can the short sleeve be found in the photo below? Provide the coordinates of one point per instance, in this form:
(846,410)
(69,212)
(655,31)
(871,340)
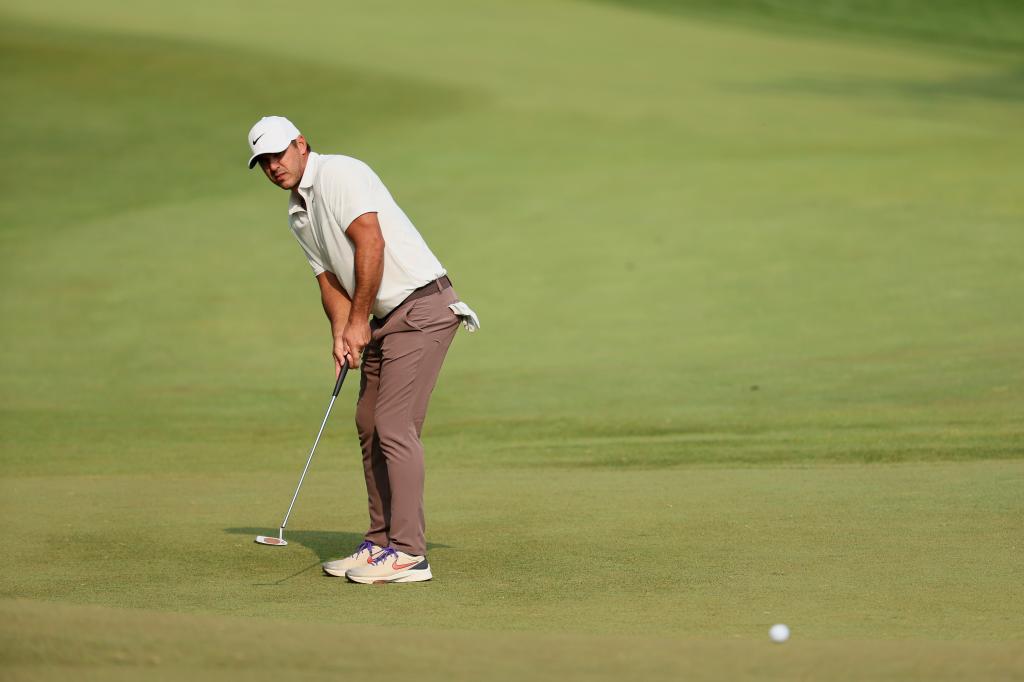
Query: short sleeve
(350,189)
(304,236)
(314,260)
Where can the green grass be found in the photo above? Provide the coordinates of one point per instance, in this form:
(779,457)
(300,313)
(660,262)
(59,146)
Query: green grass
(837,551)
(981,24)
(169,646)
(751,350)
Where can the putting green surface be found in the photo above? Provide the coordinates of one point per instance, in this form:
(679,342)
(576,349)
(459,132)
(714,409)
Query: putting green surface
(751,348)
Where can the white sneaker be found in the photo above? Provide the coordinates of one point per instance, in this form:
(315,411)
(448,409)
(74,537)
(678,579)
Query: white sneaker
(363,555)
(391,566)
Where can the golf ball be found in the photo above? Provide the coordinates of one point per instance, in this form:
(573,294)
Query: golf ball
(779,632)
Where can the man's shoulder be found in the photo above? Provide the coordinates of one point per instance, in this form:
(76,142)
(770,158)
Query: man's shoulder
(332,165)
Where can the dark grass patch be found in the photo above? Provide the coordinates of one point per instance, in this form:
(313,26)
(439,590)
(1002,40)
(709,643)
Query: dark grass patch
(123,122)
(996,25)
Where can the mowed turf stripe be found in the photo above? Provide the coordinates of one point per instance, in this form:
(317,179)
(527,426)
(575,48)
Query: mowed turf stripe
(49,641)
(924,550)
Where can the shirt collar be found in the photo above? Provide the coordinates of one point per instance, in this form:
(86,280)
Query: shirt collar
(312,165)
(299,198)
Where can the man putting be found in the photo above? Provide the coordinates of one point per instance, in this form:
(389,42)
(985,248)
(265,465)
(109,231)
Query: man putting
(368,258)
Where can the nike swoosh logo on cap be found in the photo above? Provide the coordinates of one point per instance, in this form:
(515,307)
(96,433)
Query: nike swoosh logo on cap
(257,140)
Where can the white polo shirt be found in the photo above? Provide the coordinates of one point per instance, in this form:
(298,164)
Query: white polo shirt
(337,190)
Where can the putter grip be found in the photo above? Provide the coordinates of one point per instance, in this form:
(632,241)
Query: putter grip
(341,378)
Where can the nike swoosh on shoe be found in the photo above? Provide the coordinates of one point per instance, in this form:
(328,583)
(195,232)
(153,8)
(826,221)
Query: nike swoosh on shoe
(398,567)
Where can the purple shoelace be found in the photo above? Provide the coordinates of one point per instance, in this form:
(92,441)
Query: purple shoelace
(384,555)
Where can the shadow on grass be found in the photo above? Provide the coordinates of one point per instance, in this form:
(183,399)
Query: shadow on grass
(326,544)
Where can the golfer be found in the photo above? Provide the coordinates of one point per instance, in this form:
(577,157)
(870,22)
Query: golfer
(369,259)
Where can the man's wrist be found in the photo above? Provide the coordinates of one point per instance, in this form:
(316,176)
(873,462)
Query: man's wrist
(356,317)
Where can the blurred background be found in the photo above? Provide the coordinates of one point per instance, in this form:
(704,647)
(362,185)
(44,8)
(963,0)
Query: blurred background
(761,235)
(653,214)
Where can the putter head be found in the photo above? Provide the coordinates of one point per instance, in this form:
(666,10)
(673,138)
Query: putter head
(271,540)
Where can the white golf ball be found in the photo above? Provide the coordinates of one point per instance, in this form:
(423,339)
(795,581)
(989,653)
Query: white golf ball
(779,633)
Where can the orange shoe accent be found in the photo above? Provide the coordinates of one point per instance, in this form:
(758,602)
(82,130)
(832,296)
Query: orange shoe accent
(399,567)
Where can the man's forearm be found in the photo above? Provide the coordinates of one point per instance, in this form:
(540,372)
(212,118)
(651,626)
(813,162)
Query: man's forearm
(368,245)
(369,266)
(337,305)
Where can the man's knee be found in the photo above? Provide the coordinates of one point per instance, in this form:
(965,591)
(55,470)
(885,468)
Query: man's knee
(395,433)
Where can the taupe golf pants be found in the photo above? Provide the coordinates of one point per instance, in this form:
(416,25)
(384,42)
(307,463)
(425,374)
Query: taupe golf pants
(399,369)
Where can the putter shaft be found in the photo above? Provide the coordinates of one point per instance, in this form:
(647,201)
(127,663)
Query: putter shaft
(334,396)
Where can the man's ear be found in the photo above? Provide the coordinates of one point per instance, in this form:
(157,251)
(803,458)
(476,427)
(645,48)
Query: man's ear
(301,143)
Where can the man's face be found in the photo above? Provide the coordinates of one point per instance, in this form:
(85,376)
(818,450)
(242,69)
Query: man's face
(285,169)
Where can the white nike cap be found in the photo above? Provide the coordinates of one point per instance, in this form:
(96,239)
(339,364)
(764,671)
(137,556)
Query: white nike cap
(270,135)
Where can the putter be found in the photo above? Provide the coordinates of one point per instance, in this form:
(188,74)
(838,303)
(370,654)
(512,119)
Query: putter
(279,541)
